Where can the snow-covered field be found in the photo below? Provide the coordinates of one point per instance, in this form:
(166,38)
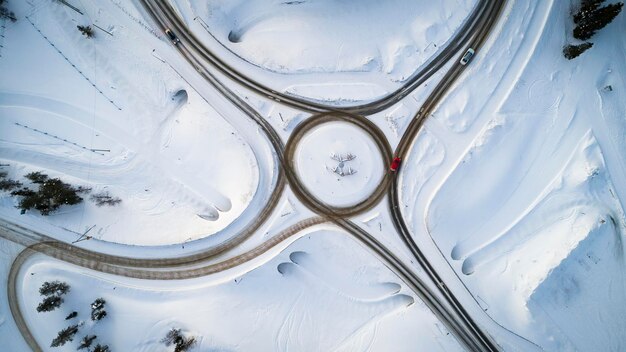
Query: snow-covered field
(513,189)
(112,116)
(313,296)
(375,45)
(526,196)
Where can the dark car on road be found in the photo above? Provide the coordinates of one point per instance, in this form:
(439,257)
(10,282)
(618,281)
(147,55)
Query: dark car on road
(172,36)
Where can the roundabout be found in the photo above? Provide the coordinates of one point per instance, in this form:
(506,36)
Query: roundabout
(343,156)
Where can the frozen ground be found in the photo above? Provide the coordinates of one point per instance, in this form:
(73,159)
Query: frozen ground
(376,45)
(339,163)
(315,288)
(524,193)
(111,115)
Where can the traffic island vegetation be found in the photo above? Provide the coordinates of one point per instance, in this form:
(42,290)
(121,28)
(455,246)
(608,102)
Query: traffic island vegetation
(589,19)
(47,195)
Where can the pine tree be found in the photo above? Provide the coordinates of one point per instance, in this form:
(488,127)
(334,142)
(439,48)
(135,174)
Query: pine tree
(595,20)
(586,7)
(8,184)
(54,287)
(97,309)
(5,13)
(101,348)
(37,177)
(52,193)
(86,342)
(180,342)
(65,336)
(86,30)
(49,304)
(572,51)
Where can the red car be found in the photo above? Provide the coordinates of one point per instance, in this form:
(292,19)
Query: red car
(395,164)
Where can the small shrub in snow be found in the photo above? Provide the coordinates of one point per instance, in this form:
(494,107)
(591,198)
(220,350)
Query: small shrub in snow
(72,315)
(104,198)
(50,303)
(86,31)
(86,342)
(65,336)
(572,51)
(180,342)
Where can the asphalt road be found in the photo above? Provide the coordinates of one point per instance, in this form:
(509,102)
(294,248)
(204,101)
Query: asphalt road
(164,14)
(449,311)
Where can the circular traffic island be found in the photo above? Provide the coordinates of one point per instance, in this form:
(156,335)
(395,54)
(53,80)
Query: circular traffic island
(337,163)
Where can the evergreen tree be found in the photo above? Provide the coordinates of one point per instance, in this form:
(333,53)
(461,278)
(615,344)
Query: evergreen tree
(8,184)
(5,13)
(37,177)
(72,315)
(54,288)
(101,348)
(97,309)
(65,336)
(572,51)
(86,342)
(52,193)
(592,21)
(180,342)
(49,304)
(104,198)
(86,30)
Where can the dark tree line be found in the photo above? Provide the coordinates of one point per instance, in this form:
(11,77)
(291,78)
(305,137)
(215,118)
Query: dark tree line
(47,195)
(50,195)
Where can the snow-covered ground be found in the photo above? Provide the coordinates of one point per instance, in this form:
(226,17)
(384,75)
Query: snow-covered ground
(513,190)
(338,163)
(108,113)
(375,45)
(322,293)
(524,194)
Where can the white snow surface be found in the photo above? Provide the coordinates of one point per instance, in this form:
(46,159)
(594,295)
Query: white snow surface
(520,182)
(322,293)
(107,113)
(374,45)
(322,150)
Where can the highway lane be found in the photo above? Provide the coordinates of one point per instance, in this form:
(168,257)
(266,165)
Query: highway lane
(163,13)
(402,150)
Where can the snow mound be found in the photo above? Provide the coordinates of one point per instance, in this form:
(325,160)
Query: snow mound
(389,37)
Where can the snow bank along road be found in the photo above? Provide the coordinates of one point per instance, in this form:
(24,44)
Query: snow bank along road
(450,312)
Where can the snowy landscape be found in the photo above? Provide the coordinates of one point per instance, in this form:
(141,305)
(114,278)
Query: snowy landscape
(312,175)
